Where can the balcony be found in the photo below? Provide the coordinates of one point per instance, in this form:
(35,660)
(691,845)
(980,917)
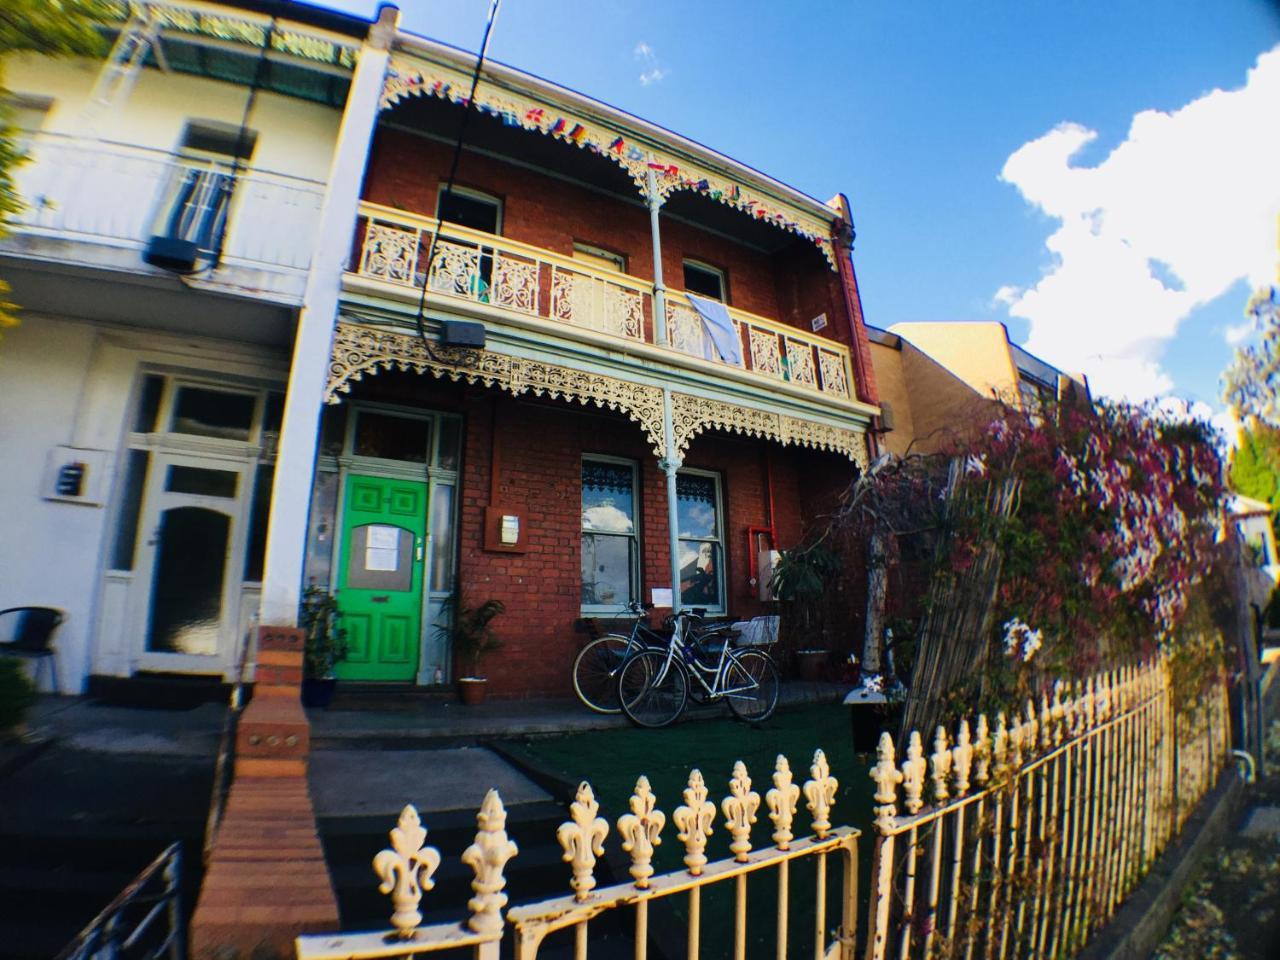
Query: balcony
(470,267)
(257,227)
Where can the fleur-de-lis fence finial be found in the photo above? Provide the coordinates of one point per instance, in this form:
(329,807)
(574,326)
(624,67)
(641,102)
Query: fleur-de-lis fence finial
(582,838)
(820,794)
(694,822)
(1000,743)
(782,800)
(1046,723)
(739,809)
(887,777)
(961,760)
(914,769)
(940,761)
(405,870)
(639,830)
(488,857)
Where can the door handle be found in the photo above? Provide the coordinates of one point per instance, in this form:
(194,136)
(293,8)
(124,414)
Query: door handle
(385,598)
(418,550)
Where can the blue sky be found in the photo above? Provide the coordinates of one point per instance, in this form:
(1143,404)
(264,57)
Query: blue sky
(914,107)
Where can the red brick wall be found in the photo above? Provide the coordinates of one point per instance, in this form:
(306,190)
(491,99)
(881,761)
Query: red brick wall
(792,287)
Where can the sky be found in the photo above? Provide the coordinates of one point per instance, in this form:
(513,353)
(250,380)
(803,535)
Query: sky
(1103,177)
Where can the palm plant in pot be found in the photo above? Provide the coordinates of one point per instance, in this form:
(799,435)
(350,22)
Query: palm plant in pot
(326,645)
(800,581)
(469,630)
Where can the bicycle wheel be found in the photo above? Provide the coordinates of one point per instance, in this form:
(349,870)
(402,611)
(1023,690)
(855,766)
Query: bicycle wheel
(595,672)
(651,692)
(753,679)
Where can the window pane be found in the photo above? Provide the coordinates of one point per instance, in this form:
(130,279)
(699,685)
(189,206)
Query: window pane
(702,281)
(149,404)
(135,477)
(442,538)
(608,497)
(259,517)
(202,482)
(450,441)
(700,573)
(392,438)
(213,413)
(468,211)
(186,592)
(696,506)
(606,570)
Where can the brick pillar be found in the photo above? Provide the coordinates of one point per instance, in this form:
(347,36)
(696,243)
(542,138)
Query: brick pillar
(266,880)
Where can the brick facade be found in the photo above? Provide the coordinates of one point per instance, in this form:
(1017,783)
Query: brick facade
(541,444)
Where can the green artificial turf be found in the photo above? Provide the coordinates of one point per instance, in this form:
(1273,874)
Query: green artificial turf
(611,760)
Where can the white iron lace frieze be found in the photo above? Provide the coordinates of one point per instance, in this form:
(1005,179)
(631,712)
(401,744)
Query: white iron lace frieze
(596,304)
(831,365)
(419,77)
(359,350)
(684,330)
(800,363)
(389,253)
(623,311)
(694,415)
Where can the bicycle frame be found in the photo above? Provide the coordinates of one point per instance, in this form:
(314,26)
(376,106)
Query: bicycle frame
(680,643)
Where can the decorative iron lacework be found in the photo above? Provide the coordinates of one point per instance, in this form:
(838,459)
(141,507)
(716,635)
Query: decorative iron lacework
(694,415)
(421,77)
(360,350)
(606,477)
(696,488)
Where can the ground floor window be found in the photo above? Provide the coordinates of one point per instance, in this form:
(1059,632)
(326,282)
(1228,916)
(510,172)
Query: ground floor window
(610,572)
(700,513)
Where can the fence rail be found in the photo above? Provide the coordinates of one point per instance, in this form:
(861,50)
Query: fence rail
(1036,829)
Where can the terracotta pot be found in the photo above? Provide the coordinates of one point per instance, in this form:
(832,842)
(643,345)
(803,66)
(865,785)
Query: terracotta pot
(472,690)
(810,664)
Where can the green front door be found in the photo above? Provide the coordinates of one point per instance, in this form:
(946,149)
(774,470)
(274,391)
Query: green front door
(380,577)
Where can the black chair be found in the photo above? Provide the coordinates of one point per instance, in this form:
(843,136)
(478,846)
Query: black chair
(31,635)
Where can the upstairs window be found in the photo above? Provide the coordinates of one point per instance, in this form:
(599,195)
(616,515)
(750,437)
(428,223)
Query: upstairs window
(196,202)
(599,258)
(704,280)
(470,208)
(610,552)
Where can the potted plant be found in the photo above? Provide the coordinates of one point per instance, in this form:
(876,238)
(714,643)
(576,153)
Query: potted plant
(17,694)
(800,580)
(326,646)
(470,632)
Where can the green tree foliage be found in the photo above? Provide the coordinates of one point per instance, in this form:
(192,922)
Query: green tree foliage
(1255,465)
(1251,384)
(52,28)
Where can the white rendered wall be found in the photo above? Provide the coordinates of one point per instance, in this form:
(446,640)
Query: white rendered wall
(70,382)
(295,137)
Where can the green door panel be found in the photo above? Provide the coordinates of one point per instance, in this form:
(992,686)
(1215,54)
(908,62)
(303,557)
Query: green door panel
(380,576)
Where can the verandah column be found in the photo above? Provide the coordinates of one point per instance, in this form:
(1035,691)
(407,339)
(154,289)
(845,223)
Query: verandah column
(670,465)
(295,460)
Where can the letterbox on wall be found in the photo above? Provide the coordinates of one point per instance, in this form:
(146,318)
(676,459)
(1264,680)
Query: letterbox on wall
(75,475)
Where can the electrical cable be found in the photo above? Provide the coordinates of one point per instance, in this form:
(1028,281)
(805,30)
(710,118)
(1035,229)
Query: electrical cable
(467,110)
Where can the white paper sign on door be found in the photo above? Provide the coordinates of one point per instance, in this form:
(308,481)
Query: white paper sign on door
(382,548)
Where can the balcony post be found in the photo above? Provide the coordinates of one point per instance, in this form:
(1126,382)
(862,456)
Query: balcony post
(659,288)
(670,465)
(313,340)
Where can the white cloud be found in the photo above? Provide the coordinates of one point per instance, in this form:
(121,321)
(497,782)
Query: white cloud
(1238,334)
(650,70)
(1174,217)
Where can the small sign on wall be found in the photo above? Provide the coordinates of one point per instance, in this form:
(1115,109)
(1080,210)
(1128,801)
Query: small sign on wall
(75,475)
(818,323)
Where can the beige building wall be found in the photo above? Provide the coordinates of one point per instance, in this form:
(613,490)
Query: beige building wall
(975,353)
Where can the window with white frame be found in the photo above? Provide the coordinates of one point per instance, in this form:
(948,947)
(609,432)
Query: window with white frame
(700,514)
(705,280)
(610,548)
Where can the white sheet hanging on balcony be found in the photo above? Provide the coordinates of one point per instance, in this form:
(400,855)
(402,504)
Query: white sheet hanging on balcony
(719,329)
